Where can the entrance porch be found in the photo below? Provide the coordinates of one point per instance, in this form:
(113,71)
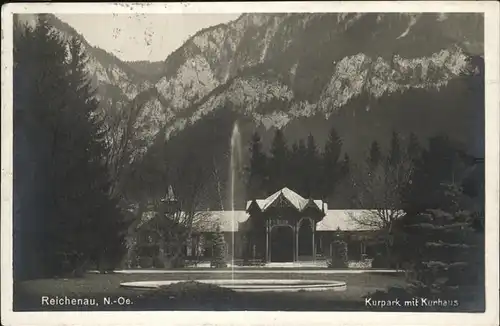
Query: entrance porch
(287,223)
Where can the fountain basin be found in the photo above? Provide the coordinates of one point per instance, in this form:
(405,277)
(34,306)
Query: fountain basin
(251,285)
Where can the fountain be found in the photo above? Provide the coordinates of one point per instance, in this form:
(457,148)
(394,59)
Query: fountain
(256,284)
(252,285)
(234,169)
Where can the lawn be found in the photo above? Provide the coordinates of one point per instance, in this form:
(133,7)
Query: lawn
(194,296)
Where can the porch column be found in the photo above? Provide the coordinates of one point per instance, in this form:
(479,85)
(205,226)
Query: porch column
(313,240)
(267,241)
(321,244)
(296,238)
(294,229)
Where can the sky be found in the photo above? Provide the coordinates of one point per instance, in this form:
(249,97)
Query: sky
(141,36)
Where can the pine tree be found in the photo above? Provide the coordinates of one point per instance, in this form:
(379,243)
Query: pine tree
(395,154)
(331,165)
(278,162)
(219,249)
(296,178)
(413,148)
(257,168)
(346,163)
(56,109)
(294,166)
(375,155)
(38,71)
(445,249)
(312,177)
(301,165)
(104,214)
(442,162)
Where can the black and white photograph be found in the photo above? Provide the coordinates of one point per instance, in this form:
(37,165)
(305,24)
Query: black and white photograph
(250,157)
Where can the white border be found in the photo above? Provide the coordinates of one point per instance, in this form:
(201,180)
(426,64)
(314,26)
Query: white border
(491,11)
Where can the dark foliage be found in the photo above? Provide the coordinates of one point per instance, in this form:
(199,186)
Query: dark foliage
(375,155)
(257,168)
(442,249)
(303,167)
(64,218)
(447,252)
(339,258)
(381,261)
(219,250)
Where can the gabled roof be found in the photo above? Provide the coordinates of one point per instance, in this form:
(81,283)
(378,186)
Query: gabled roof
(294,199)
(334,220)
(227,221)
(170,194)
(343,220)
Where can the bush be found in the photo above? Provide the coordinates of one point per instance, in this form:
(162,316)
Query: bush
(146,262)
(252,262)
(362,264)
(380,261)
(390,294)
(219,246)
(336,263)
(189,291)
(339,258)
(158,262)
(218,264)
(174,262)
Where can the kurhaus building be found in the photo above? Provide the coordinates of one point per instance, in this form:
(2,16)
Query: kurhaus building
(284,227)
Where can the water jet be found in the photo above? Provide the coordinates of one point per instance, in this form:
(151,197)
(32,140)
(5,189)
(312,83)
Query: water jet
(234,169)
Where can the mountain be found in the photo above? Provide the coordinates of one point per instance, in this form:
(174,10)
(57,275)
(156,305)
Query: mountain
(148,68)
(287,70)
(277,68)
(123,88)
(366,74)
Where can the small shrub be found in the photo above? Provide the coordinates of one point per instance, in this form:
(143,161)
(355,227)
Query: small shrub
(219,246)
(188,291)
(158,262)
(339,258)
(382,261)
(174,262)
(218,264)
(146,262)
(251,262)
(391,294)
(336,263)
(361,264)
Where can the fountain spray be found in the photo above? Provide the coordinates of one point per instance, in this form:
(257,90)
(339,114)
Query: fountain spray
(234,169)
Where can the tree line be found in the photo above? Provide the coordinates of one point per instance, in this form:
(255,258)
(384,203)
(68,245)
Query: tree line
(303,167)
(329,171)
(404,177)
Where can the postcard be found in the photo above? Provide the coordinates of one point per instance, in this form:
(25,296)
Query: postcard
(250,163)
